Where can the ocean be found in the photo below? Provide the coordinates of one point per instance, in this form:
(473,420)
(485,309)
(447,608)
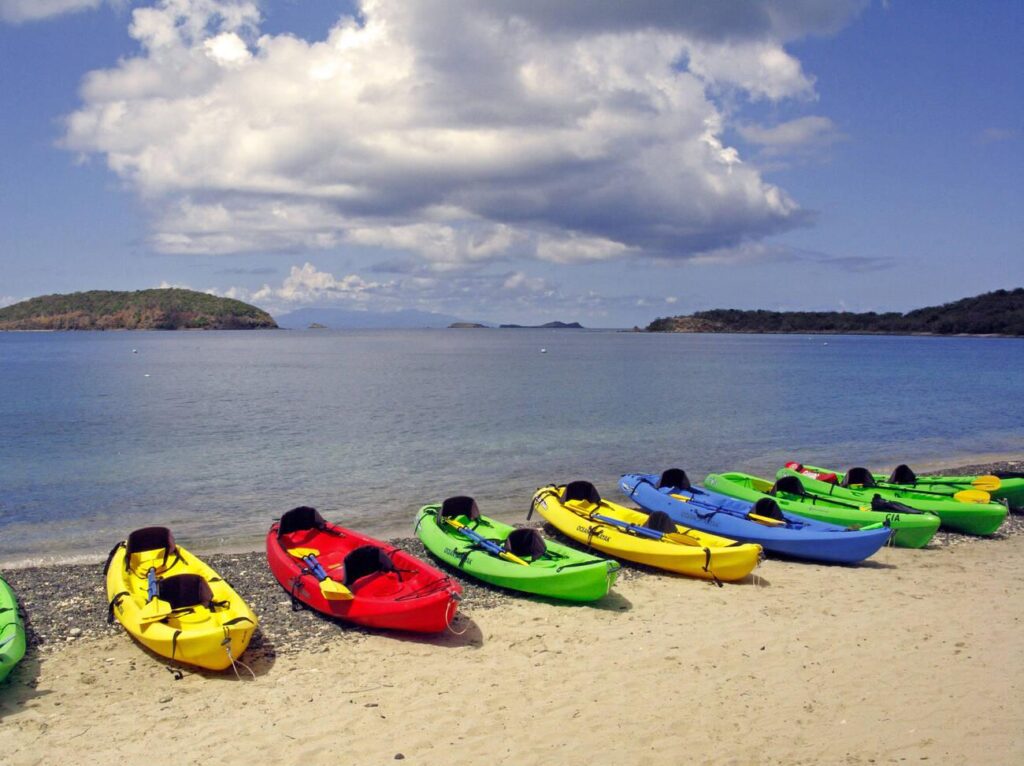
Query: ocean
(217,433)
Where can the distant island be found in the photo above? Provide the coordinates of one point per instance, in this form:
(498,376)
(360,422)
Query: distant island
(547,326)
(159,309)
(996,313)
(467,326)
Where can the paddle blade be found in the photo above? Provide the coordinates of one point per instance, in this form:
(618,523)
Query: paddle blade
(681,498)
(988,482)
(766,520)
(303,552)
(335,591)
(972,496)
(513,557)
(154,610)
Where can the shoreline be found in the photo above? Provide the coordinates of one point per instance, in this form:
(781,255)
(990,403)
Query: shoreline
(962,463)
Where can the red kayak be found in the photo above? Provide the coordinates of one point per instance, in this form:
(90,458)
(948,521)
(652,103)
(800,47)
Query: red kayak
(353,577)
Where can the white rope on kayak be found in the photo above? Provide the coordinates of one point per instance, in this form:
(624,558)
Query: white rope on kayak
(449,618)
(234,662)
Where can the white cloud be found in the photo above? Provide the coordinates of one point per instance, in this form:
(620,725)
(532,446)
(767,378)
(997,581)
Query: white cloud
(803,136)
(462,132)
(34,10)
(9,300)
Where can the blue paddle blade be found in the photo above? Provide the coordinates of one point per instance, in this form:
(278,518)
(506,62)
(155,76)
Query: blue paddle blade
(152,589)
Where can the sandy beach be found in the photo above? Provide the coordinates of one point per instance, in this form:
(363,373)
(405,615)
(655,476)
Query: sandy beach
(913,656)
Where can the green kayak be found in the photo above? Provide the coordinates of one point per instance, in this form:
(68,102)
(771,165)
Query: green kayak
(12,631)
(518,559)
(912,529)
(1004,486)
(858,486)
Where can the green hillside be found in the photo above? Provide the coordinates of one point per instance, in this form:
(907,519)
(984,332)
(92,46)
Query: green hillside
(159,309)
(997,313)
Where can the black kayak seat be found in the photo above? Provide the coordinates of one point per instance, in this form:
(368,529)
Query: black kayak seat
(366,560)
(660,521)
(674,478)
(460,505)
(149,539)
(581,490)
(525,542)
(860,476)
(185,590)
(791,485)
(902,474)
(768,508)
(299,519)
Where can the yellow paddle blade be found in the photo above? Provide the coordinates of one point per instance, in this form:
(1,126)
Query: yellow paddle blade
(335,591)
(154,610)
(302,552)
(681,498)
(513,557)
(766,520)
(988,482)
(972,496)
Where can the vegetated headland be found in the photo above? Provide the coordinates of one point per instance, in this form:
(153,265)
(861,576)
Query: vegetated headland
(996,313)
(159,309)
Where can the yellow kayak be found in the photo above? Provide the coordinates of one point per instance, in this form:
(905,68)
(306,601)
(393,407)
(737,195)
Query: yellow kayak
(578,511)
(174,604)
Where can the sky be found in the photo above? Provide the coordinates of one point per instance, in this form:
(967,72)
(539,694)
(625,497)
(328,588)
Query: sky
(515,160)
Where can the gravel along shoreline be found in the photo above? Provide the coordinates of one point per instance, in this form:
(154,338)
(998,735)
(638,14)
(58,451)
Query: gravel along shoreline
(67,604)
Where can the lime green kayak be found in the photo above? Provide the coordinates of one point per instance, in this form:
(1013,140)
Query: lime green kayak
(12,631)
(858,486)
(547,568)
(1004,486)
(912,529)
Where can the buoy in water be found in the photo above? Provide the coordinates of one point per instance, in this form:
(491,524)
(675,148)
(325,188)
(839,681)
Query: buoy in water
(543,350)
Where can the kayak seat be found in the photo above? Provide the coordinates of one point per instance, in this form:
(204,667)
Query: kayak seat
(660,521)
(674,478)
(460,505)
(366,560)
(149,539)
(581,490)
(185,590)
(525,542)
(860,476)
(299,519)
(768,508)
(791,485)
(902,474)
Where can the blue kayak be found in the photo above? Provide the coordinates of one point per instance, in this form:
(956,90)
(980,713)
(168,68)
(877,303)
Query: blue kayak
(762,522)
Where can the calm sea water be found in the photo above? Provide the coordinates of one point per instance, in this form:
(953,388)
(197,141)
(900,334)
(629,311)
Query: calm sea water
(217,433)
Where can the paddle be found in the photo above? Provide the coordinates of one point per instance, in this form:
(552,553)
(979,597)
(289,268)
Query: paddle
(332,590)
(653,534)
(154,609)
(987,482)
(964,496)
(488,545)
(766,520)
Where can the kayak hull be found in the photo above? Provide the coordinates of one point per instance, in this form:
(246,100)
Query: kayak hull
(195,636)
(417,597)
(1010,492)
(699,554)
(798,537)
(563,573)
(972,518)
(910,530)
(12,631)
